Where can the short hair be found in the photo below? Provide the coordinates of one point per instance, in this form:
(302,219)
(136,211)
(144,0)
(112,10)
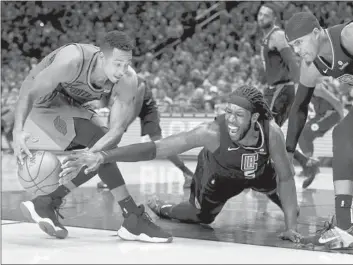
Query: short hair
(275,9)
(256,98)
(117,39)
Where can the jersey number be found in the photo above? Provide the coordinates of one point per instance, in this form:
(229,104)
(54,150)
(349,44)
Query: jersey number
(249,165)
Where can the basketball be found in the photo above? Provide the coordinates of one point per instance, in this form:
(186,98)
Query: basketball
(39,175)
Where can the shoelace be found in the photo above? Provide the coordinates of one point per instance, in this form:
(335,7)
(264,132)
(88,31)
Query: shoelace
(148,218)
(328,225)
(56,208)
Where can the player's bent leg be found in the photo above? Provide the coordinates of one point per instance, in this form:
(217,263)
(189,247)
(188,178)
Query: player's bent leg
(342,167)
(183,212)
(340,236)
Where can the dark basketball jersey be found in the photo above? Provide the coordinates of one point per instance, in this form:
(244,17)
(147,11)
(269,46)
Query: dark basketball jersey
(342,61)
(276,71)
(80,88)
(231,160)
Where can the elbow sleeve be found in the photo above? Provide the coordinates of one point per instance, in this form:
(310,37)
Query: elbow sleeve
(298,116)
(288,57)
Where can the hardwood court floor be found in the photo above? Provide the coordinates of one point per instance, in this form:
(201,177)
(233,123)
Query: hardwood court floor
(248,220)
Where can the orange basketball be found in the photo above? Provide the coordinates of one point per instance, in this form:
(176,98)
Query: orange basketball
(39,175)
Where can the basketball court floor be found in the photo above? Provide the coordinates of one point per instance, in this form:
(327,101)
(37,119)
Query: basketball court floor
(245,231)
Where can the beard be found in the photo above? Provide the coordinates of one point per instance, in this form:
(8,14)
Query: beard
(245,131)
(266,26)
(242,133)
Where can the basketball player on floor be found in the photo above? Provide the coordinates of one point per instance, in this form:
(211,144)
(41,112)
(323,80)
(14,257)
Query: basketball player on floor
(327,57)
(150,125)
(281,73)
(326,116)
(238,147)
(51,100)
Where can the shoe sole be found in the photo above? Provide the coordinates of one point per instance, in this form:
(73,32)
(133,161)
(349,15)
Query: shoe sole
(45,224)
(124,234)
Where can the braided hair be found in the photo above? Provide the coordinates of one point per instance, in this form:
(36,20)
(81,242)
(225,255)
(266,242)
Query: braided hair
(256,98)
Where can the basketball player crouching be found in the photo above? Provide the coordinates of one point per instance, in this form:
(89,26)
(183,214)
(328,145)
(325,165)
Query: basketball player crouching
(237,150)
(327,58)
(51,105)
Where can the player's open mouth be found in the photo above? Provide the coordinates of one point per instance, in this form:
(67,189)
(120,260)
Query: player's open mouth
(233,129)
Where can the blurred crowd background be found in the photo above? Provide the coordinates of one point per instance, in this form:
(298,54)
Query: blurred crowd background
(189,54)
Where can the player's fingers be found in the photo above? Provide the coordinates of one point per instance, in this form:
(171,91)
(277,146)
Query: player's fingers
(66,172)
(72,163)
(18,154)
(293,238)
(26,151)
(70,158)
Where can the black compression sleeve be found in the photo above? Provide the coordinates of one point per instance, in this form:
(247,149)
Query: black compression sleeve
(298,115)
(289,59)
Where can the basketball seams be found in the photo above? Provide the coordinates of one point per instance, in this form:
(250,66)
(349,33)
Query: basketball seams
(35,187)
(37,183)
(40,164)
(41,188)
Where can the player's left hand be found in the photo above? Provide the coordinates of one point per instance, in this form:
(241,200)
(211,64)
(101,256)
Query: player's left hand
(73,163)
(291,235)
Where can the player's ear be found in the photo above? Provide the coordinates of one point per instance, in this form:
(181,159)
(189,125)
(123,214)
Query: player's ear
(254,117)
(316,32)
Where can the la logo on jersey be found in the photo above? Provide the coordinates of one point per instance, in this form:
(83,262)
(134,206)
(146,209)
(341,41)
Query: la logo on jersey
(249,165)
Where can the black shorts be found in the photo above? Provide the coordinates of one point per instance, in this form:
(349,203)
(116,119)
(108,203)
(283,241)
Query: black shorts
(281,103)
(149,117)
(209,193)
(87,134)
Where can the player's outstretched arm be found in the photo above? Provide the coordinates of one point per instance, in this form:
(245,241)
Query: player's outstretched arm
(40,84)
(122,110)
(204,135)
(285,179)
(299,110)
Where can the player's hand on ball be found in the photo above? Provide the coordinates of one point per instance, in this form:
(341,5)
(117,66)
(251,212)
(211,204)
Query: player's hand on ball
(291,235)
(19,145)
(73,163)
